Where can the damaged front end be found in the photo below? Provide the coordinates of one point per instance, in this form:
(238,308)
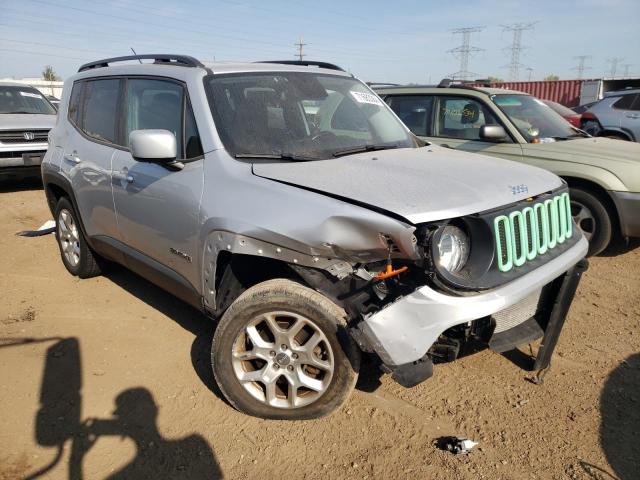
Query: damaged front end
(474,282)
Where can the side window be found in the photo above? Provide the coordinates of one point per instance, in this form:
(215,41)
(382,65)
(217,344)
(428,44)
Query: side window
(414,111)
(626,102)
(460,117)
(99,107)
(192,145)
(154,104)
(74,103)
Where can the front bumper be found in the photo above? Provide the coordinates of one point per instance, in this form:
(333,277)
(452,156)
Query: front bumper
(628,206)
(404,331)
(18,159)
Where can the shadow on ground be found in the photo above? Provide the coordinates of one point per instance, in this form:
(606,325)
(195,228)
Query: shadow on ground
(16,184)
(620,412)
(183,314)
(620,247)
(59,422)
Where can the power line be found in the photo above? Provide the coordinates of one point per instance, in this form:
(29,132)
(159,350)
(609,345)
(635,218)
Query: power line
(464,51)
(516,46)
(300,46)
(614,65)
(581,67)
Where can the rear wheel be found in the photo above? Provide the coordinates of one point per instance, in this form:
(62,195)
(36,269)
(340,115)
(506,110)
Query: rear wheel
(593,218)
(77,256)
(281,351)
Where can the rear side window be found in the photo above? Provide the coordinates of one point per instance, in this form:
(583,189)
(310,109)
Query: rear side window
(99,108)
(626,102)
(74,103)
(414,111)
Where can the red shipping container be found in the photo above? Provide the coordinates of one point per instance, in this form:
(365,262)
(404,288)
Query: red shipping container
(564,92)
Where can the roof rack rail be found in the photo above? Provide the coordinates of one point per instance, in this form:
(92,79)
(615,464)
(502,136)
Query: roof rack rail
(178,60)
(306,63)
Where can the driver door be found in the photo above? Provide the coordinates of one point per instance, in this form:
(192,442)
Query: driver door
(157,208)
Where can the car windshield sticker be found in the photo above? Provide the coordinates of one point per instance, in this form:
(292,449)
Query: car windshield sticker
(29,94)
(366,98)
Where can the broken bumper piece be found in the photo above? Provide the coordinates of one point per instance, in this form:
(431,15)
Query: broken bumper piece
(405,330)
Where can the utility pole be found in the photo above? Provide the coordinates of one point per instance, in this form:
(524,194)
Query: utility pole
(516,46)
(614,65)
(530,70)
(464,51)
(581,67)
(300,46)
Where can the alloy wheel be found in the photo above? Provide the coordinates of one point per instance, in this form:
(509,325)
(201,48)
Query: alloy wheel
(69,237)
(283,359)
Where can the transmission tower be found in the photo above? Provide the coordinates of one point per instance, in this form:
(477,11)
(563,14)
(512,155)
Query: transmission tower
(300,46)
(614,65)
(581,67)
(626,67)
(464,51)
(516,46)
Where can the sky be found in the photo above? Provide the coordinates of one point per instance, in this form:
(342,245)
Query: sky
(401,41)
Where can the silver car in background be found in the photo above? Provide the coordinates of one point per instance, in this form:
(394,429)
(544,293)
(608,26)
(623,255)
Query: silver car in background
(617,116)
(26,117)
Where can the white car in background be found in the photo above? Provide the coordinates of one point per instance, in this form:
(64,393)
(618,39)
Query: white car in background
(26,117)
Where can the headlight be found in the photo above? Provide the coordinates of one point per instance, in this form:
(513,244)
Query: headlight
(453,249)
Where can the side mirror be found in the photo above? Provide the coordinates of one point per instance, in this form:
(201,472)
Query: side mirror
(493,133)
(153,145)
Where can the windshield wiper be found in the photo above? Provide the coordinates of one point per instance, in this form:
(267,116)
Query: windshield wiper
(15,113)
(573,135)
(363,148)
(275,156)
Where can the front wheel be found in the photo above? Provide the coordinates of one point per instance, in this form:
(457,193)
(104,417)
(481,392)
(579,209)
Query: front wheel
(593,219)
(281,351)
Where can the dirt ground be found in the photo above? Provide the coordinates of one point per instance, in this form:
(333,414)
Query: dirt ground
(110,378)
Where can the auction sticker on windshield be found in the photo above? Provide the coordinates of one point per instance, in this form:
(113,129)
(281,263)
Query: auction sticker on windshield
(366,98)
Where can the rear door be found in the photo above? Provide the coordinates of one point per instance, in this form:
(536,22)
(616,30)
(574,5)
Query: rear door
(158,208)
(629,107)
(88,151)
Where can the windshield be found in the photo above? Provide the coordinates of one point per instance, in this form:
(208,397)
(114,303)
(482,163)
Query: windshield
(24,100)
(301,116)
(536,121)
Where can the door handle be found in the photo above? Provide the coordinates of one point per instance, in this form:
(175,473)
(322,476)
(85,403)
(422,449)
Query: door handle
(633,115)
(72,157)
(123,177)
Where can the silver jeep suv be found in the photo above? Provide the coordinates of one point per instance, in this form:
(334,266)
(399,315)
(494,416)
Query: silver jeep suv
(290,204)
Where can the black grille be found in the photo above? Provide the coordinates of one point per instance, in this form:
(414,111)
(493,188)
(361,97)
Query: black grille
(23,136)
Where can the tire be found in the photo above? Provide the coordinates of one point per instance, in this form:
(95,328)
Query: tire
(77,256)
(593,218)
(290,305)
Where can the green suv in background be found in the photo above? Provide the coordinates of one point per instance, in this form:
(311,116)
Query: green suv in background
(603,174)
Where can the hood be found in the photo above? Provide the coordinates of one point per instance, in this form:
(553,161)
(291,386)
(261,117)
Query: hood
(26,121)
(418,184)
(597,151)
(618,157)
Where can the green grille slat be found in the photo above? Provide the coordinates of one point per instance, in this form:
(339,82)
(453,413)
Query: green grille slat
(525,234)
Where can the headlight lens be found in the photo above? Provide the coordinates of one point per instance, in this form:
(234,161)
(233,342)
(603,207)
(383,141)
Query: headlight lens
(453,249)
